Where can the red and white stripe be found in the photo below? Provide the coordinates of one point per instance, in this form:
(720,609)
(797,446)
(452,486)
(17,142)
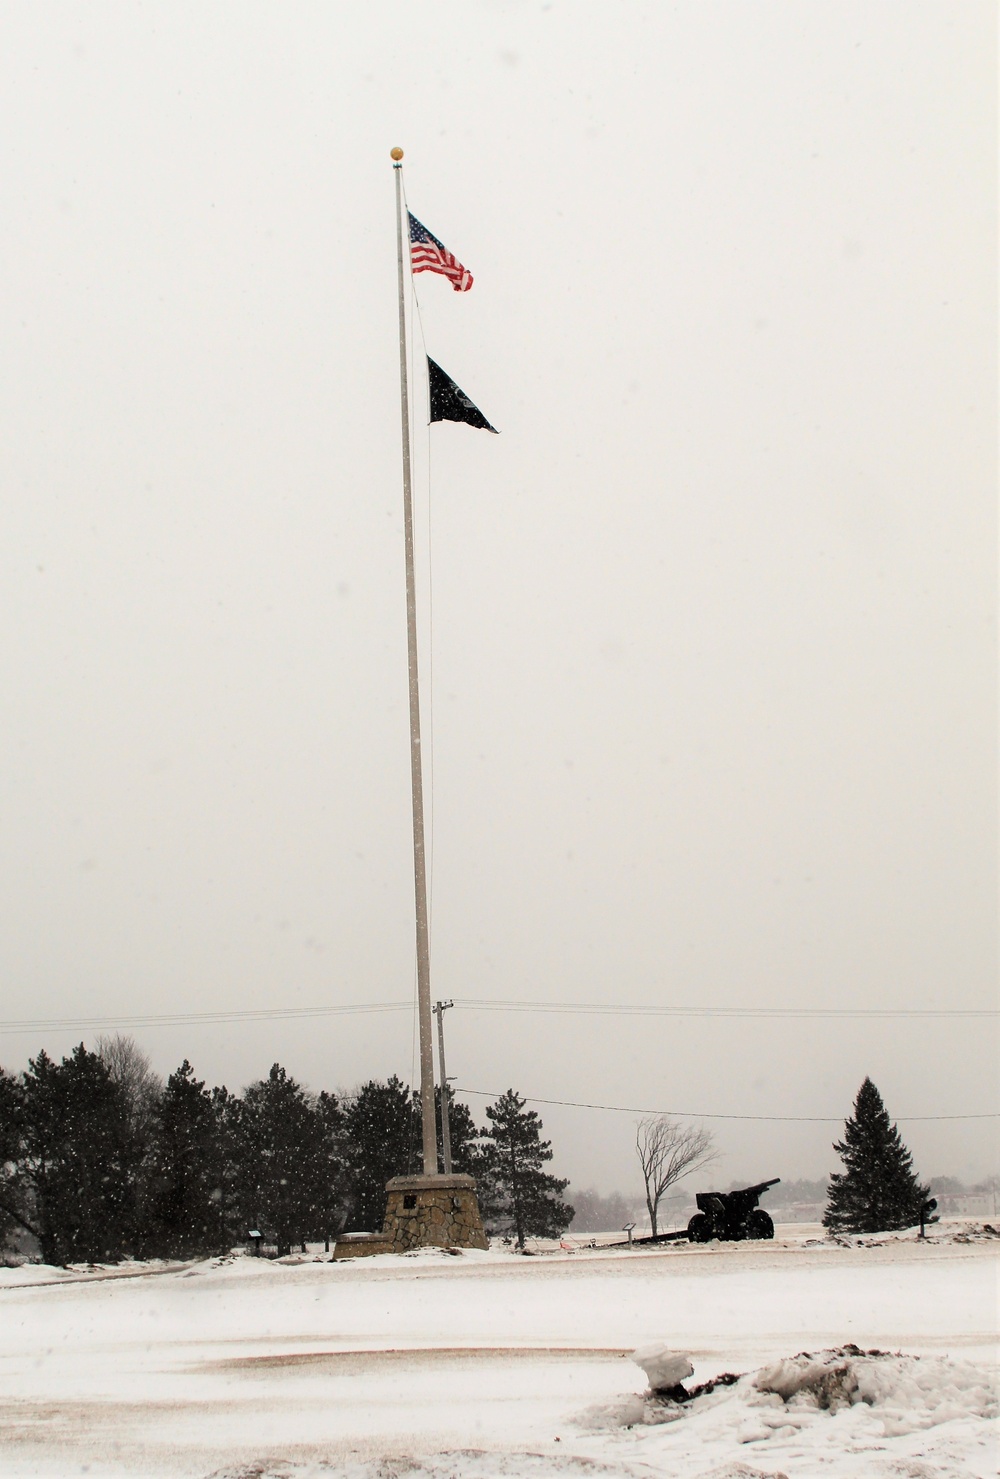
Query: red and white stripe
(426,257)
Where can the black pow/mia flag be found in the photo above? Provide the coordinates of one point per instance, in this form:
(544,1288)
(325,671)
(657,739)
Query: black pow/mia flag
(449,403)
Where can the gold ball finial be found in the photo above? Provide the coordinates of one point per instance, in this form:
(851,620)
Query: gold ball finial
(396,154)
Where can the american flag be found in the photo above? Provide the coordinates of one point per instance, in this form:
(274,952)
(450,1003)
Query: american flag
(427,254)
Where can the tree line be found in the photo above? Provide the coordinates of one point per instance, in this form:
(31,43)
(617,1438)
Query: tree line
(101,1161)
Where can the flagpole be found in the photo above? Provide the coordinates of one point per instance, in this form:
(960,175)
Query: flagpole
(428,1117)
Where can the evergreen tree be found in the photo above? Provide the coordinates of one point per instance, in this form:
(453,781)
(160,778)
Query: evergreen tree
(513,1189)
(337,1205)
(382,1140)
(13,1208)
(185,1212)
(79,1161)
(226,1108)
(289,1173)
(878,1190)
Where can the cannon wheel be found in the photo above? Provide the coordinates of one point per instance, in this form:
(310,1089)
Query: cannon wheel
(700,1228)
(759,1224)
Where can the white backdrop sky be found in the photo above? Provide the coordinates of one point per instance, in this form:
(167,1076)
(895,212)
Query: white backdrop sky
(712,647)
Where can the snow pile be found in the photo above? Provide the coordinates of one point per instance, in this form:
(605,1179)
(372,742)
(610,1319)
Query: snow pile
(976,1232)
(909,1392)
(906,1394)
(665,1369)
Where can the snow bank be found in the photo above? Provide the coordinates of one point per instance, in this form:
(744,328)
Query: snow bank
(28,1274)
(943,1233)
(910,1392)
(906,1394)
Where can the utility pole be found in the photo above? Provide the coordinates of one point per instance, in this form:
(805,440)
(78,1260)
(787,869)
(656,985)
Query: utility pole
(440,1007)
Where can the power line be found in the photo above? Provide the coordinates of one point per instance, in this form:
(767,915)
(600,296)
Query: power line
(272,1014)
(266,1014)
(174,1019)
(794,1119)
(618,1009)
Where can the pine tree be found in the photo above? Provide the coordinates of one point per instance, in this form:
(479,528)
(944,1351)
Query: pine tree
(514,1190)
(878,1190)
(382,1140)
(13,1208)
(336,1204)
(184,1210)
(289,1169)
(226,1107)
(79,1160)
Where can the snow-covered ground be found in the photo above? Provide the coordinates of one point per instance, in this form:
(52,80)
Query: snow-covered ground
(488,1364)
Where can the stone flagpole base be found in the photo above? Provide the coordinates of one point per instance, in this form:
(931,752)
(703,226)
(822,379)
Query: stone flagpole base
(422,1212)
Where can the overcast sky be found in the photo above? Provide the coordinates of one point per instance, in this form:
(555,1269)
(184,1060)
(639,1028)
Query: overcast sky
(708,630)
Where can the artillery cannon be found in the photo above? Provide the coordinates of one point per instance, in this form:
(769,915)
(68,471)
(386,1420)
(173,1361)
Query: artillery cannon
(731,1216)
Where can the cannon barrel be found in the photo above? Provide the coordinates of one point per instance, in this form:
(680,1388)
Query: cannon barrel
(743,1194)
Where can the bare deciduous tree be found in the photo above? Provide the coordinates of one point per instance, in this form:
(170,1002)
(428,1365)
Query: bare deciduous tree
(667,1151)
(130,1068)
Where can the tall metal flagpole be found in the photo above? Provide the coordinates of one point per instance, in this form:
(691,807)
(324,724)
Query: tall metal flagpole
(416,771)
